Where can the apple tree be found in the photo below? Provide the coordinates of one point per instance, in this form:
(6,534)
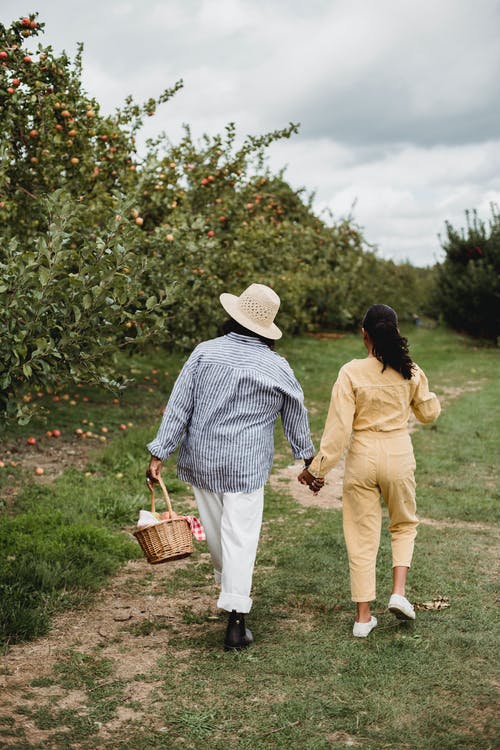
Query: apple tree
(468,280)
(54,136)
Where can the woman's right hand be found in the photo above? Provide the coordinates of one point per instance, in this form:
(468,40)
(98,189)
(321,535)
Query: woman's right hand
(314,483)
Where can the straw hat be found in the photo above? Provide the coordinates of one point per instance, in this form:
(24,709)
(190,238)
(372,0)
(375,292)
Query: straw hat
(254,309)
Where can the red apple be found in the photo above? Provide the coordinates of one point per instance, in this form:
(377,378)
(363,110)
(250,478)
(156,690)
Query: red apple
(39,471)
(204,181)
(31,441)
(16,81)
(56,433)
(10,90)
(123,427)
(27,59)
(26,22)
(211,233)
(33,133)
(3,55)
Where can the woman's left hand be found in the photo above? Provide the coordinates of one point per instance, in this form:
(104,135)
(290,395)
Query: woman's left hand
(154,470)
(314,483)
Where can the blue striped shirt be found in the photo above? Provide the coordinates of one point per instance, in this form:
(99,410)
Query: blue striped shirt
(223,409)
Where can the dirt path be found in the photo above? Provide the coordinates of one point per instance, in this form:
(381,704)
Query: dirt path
(131,624)
(285,480)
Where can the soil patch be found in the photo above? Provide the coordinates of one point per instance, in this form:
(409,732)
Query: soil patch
(132,624)
(51,455)
(285,480)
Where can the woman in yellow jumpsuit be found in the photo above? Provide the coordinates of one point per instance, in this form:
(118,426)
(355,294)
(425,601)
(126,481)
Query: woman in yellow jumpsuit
(369,411)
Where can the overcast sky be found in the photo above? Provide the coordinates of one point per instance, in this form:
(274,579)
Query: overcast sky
(398,100)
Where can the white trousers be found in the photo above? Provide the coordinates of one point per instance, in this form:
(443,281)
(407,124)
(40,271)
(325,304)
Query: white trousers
(232,522)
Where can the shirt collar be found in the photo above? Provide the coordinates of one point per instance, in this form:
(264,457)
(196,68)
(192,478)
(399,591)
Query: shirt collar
(246,339)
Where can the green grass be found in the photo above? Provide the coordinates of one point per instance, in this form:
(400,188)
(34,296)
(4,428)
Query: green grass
(305,683)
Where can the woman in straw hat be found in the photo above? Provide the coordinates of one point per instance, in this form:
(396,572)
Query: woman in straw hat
(369,411)
(222,411)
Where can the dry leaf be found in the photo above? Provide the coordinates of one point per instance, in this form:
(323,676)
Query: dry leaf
(441,602)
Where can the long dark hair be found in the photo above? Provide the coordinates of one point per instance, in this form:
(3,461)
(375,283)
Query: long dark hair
(232,326)
(389,347)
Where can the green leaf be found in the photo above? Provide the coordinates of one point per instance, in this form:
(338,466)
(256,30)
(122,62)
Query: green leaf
(44,275)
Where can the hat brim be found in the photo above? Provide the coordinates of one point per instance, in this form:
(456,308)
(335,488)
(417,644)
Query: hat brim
(230,303)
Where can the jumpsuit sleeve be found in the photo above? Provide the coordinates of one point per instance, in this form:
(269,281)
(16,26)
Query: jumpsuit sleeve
(424,404)
(338,426)
(294,418)
(177,414)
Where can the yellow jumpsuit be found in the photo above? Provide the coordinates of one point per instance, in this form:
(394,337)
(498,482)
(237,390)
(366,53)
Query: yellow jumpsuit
(369,411)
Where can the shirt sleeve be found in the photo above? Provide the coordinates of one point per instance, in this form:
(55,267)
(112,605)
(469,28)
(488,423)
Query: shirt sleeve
(295,420)
(425,404)
(178,410)
(338,426)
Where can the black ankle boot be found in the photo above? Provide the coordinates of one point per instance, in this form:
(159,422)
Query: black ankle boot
(237,635)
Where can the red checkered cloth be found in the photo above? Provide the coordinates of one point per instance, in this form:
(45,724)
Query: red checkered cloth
(197,529)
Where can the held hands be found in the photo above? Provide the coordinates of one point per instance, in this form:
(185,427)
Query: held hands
(314,483)
(153,471)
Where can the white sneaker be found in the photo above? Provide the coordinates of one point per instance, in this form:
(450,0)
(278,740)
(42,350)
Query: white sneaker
(362,629)
(401,607)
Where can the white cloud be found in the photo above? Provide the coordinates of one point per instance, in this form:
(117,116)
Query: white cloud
(403,195)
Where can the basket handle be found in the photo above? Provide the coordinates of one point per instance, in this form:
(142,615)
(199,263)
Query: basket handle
(165,494)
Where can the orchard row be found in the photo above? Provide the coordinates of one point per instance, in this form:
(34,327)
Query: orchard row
(104,248)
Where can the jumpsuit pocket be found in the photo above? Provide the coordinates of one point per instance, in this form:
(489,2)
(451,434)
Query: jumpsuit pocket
(360,468)
(399,458)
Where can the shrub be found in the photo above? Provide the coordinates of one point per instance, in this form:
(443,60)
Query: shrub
(68,304)
(468,280)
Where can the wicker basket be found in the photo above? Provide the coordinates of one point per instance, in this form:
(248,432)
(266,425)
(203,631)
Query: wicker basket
(170,539)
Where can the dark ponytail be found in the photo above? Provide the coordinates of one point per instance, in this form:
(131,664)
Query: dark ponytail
(389,347)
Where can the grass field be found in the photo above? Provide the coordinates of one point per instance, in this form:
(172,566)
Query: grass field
(134,660)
